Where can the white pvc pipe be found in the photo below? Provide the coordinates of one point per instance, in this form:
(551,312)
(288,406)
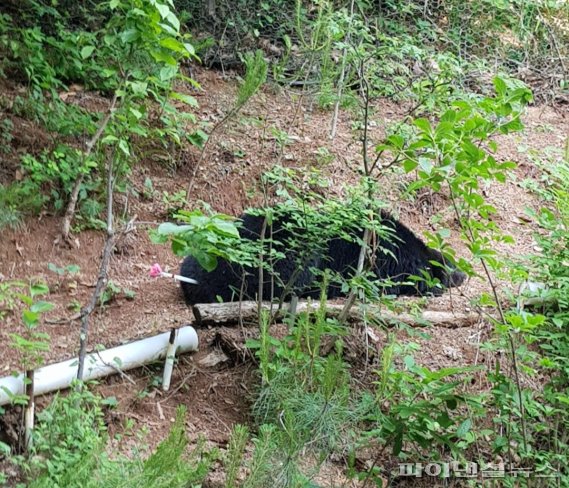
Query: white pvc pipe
(99,364)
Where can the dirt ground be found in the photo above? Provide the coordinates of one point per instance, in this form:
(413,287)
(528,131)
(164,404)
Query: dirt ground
(218,396)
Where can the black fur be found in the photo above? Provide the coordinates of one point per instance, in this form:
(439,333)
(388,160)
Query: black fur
(396,259)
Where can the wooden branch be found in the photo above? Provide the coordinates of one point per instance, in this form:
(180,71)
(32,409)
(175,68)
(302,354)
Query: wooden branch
(238,106)
(102,278)
(228,313)
(349,303)
(89,145)
(345,313)
(341,80)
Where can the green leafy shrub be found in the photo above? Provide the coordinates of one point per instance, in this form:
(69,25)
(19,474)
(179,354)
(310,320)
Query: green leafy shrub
(67,432)
(57,171)
(449,157)
(21,308)
(70,450)
(16,200)
(418,407)
(205,237)
(545,328)
(132,50)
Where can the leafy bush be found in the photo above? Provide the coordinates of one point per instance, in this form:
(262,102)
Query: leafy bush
(66,433)
(15,201)
(19,301)
(57,171)
(133,50)
(417,407)
(449,157)
(546,328)
(70,450)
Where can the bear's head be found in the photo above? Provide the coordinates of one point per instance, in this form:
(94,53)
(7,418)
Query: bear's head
(445,272)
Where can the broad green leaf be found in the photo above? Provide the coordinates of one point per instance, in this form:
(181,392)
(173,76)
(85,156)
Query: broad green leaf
(129,36)
(197,138)
(563,399)
(30,318)
(169,29)
(199,221)
(443,130)
(27,300)
(464,428)
(41,307)
(523,95)
(409,165)
(472,151)
(426,165)
(449,116)
(164,10)
(168,228)
(507,165)
(190,48)
(167,73)
(423,124)
(227,228)
(173,45)
(407,411)
(123,146)
(39,289)
(110,401)
(180,247)
(139,87)
(514,125)
(409,362)
(87,51)
(163,57)
(108,72)
(252,343)
(500,86)
(173,21)
(184,98)
(206,261)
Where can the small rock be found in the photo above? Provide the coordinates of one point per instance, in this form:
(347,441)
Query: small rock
(452,353)
(213,359)
(372,335)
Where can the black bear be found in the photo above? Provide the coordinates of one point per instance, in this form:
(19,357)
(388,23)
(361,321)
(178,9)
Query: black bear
(396,259)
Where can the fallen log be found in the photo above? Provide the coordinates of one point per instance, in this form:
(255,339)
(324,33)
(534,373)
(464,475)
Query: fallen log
(229,313)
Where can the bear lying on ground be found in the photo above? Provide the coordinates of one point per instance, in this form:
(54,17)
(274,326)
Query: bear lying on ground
(396,259)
